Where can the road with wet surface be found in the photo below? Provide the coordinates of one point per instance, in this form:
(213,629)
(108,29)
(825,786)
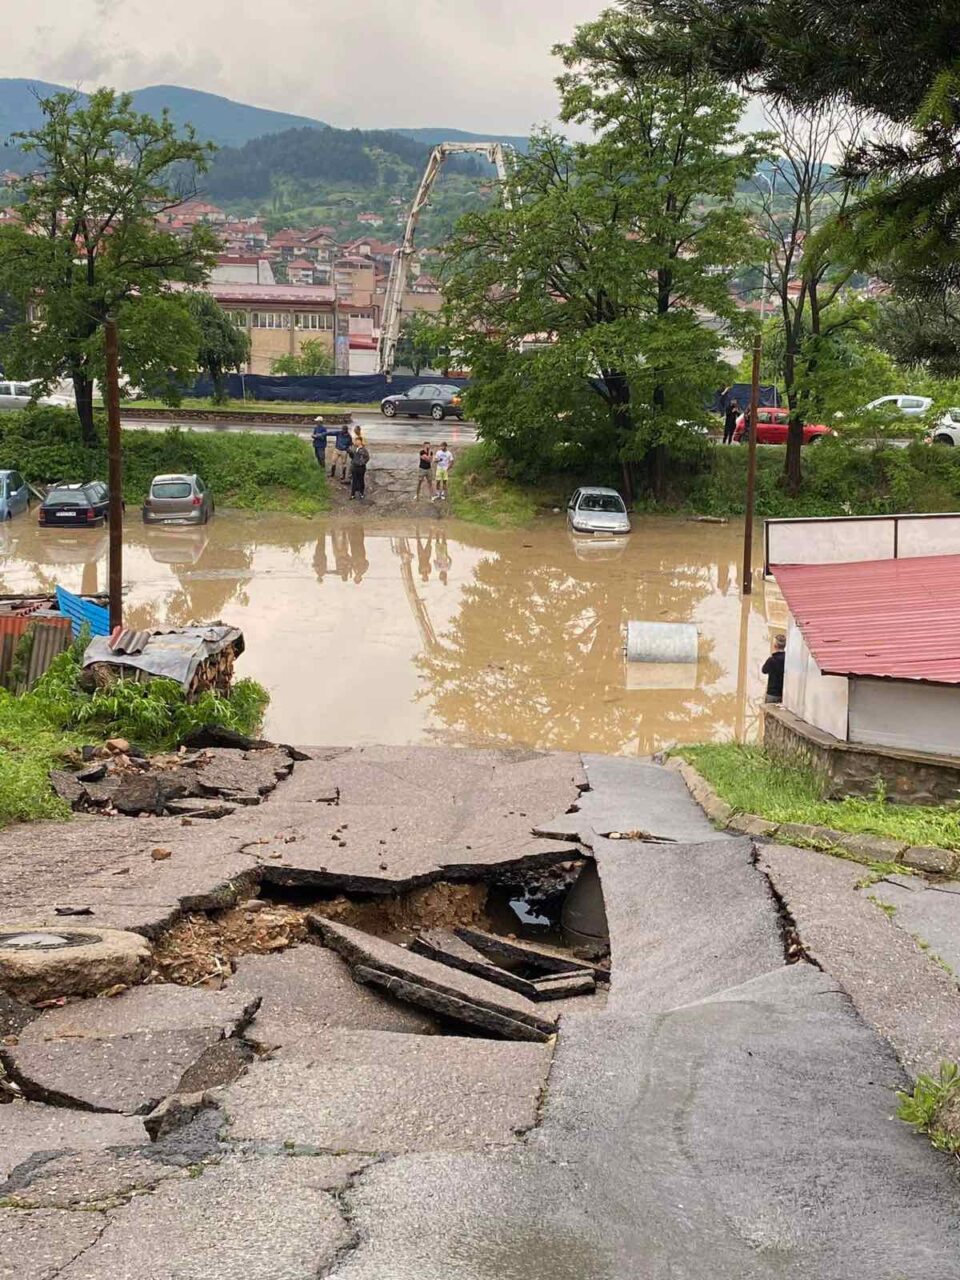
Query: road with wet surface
(431,630)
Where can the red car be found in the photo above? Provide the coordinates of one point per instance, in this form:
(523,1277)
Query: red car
(772,425)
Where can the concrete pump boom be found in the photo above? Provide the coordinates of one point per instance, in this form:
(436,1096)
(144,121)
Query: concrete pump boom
(392,316)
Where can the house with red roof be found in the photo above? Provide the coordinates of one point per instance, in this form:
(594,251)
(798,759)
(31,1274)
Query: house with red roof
(871,687)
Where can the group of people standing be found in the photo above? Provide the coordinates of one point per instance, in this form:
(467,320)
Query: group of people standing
(350,453)
(434,469)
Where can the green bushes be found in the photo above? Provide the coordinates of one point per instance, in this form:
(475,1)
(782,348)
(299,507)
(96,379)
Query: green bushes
(242,469)
(39,728)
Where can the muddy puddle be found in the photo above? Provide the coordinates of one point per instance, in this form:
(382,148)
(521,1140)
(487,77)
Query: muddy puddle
(434,631)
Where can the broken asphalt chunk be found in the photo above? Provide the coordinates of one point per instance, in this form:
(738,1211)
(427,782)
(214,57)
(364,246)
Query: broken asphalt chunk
(478,1002)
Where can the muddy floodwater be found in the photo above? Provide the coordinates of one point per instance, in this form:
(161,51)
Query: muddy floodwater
(433,631)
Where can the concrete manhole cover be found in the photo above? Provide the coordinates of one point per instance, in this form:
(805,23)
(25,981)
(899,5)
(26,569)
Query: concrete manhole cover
(36,941)
(37,963)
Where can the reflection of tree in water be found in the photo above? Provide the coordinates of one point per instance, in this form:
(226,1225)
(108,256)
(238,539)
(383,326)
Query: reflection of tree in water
(535,655)
(208,583)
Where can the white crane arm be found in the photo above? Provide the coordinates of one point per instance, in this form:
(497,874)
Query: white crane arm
(392,317)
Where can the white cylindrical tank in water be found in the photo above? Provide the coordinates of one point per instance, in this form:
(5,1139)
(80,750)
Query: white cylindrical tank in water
(661,642)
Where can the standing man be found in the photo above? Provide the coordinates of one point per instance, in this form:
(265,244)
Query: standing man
(424,474)
(444,461)
(730,415)
(359,457)
(341,455)
(320,442)
(773,669)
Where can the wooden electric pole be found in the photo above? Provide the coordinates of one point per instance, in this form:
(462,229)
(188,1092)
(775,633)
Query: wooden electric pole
(751,470)
(115,476)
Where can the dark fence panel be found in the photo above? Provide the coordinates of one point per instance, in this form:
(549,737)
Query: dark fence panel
(333,389)
(740,391)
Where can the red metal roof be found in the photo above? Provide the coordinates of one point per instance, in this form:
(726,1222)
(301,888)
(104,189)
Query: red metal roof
(898,619)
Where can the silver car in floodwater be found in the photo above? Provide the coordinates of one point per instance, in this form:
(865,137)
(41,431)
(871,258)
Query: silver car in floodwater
(177,499)
(599,512)
(14,495)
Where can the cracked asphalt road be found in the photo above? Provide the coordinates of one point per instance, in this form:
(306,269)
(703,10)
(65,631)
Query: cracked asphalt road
(726,1114)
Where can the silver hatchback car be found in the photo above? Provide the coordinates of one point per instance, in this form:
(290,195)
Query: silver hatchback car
(177,499)
(14,495)
(598,511)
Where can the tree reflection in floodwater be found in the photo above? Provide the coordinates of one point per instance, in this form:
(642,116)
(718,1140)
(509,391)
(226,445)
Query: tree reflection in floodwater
(535,652)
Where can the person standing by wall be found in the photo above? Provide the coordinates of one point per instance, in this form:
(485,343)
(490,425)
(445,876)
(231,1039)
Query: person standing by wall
(320,434)
(773,669)
(425,470)
(444,461)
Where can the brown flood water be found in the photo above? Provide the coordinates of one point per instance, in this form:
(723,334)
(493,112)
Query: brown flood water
(437,631)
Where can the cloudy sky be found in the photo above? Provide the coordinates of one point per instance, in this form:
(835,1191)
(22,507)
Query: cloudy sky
(482,65)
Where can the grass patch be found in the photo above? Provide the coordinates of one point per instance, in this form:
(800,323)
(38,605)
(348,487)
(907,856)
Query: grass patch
(933,1108)
(39,729)
(751,782)
(482,492)
(309,408)
(254,472)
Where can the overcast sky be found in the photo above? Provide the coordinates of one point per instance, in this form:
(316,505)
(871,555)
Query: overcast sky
(482,65)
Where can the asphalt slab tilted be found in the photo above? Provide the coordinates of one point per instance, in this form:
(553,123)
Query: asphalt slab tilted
(725,1113)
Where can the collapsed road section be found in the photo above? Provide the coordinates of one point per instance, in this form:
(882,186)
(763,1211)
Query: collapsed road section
(372,1045)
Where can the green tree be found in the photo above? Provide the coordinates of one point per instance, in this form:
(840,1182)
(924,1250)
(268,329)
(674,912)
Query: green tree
(223,345)
(315,360)
(797,191)
(893,61)
(423,343)
(580,302)
(922,333)
(88,244)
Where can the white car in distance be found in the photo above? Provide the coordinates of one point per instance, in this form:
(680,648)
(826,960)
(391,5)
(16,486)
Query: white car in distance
(946,430)
(18,395)
(906,406)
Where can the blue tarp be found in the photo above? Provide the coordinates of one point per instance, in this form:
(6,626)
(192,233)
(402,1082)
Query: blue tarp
(740,391)
(82,612)
(366,388)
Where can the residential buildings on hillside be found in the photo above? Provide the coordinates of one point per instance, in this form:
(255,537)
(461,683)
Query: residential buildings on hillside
(298,285)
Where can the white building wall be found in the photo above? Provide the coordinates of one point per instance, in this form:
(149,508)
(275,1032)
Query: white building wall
(820,700)
(906,714)
(846,539)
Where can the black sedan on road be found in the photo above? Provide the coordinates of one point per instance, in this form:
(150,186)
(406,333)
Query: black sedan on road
(73,504)
(434,400)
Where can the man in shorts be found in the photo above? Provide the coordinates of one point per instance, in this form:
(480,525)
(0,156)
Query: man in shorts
(425,470)
(444,461)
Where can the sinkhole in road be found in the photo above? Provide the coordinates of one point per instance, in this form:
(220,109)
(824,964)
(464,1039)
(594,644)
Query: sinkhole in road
(532,907)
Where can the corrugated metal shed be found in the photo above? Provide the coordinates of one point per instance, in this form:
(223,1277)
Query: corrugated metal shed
(895,619)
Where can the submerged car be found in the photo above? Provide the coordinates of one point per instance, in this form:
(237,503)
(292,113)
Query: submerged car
(14,494)
(177,499)
(429,399)
(773,424)
(76,504)
(596,510)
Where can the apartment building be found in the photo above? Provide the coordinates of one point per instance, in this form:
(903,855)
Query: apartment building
(279,318)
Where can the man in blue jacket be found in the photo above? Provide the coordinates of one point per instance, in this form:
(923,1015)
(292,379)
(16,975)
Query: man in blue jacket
(320,434)
(342,445)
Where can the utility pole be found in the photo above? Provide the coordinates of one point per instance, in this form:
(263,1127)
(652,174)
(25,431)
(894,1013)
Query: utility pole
(115,476)
(751,469)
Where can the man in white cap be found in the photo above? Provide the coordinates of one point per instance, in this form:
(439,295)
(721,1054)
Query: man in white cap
(320,441)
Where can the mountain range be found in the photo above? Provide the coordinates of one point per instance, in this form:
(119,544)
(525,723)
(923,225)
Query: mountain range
(216,119)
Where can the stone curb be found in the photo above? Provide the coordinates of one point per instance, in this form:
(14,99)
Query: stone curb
(305,419)
(942,862)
